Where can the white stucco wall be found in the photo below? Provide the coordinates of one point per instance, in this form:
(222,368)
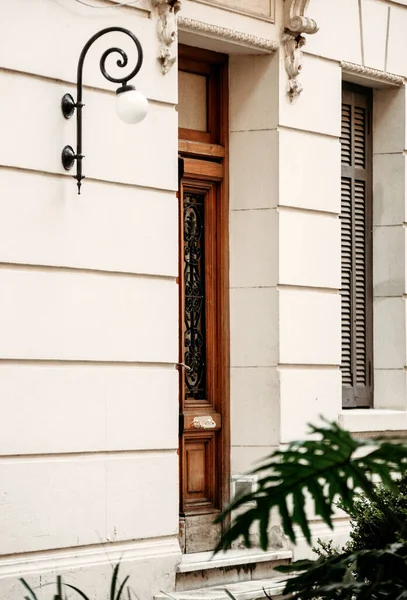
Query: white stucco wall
(89,306)
(295,176)
(285,234)
(89,309)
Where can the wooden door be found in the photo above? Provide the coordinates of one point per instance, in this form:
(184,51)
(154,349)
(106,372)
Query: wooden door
(204,327)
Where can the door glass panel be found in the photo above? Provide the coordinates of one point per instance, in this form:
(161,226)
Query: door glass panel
(192,101)
(194,296)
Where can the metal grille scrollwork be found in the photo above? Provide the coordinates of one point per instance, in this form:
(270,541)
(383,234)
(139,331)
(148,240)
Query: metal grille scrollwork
(194,296)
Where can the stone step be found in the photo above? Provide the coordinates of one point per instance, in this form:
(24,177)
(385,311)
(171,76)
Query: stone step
(202,569)
(246,590)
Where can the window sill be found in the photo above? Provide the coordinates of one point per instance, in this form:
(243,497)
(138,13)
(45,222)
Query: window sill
(368,420)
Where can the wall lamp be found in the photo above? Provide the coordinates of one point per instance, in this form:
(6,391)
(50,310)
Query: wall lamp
(131,105)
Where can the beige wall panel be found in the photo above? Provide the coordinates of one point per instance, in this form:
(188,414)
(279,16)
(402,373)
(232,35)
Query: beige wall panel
(389,121)
(151,565)
(309,249)
(254,406)
(253,248)
(143,154)
(389,333)
(246,458)
(397,45)
(309,327)
(151,506)
(253,82)
(70,501)
(374,28)
(389,261)
(43,221)
(319,107)
(82,316)
(79,408)
(305,395)
(257,8)
(390,389)
(65,27)
(310,170)
(339,30)
(253,327)
(389,189)
(235,21)
(401,260)
(253,168)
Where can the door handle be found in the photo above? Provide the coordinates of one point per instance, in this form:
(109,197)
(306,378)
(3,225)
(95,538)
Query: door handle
(204,423)
(184,366)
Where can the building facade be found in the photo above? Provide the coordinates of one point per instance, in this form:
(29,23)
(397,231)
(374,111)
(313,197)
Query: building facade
(234,267)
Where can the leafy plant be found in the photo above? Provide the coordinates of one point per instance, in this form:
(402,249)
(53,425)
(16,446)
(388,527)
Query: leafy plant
(348,575)
(370,524)
(331,466)
(325,548)
(116,588)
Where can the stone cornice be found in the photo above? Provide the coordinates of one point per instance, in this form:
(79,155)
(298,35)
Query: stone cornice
(375,74)
(227,35)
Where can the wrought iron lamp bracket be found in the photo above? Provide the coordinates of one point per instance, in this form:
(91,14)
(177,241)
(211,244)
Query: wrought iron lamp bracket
(69,105)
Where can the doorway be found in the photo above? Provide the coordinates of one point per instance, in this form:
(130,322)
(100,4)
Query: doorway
(204,297)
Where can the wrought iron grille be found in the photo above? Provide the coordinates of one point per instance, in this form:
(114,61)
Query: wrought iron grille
(194,295)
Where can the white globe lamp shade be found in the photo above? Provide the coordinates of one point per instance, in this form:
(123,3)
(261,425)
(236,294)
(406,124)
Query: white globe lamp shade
(131,105)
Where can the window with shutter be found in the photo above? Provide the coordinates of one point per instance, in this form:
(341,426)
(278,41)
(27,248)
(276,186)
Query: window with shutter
(356,248)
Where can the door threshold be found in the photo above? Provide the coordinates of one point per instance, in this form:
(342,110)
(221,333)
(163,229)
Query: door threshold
(199,561)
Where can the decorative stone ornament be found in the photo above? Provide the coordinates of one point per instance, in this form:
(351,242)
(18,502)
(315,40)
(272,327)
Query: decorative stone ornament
(225,34)
(367,73)
(293,63)
(167,31)
(295,20)
(295,24)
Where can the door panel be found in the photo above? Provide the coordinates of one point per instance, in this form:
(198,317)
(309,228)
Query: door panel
(200,400)
(199,457)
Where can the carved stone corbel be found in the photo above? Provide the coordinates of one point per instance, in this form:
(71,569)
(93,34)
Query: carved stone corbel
(167,31)
(293,63)
(295,24)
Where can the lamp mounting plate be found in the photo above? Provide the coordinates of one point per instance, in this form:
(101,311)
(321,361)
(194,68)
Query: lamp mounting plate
(68,158)
(68,106)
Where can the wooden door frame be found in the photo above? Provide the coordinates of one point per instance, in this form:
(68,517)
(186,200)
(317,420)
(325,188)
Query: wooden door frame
(222,340)
(208,159)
